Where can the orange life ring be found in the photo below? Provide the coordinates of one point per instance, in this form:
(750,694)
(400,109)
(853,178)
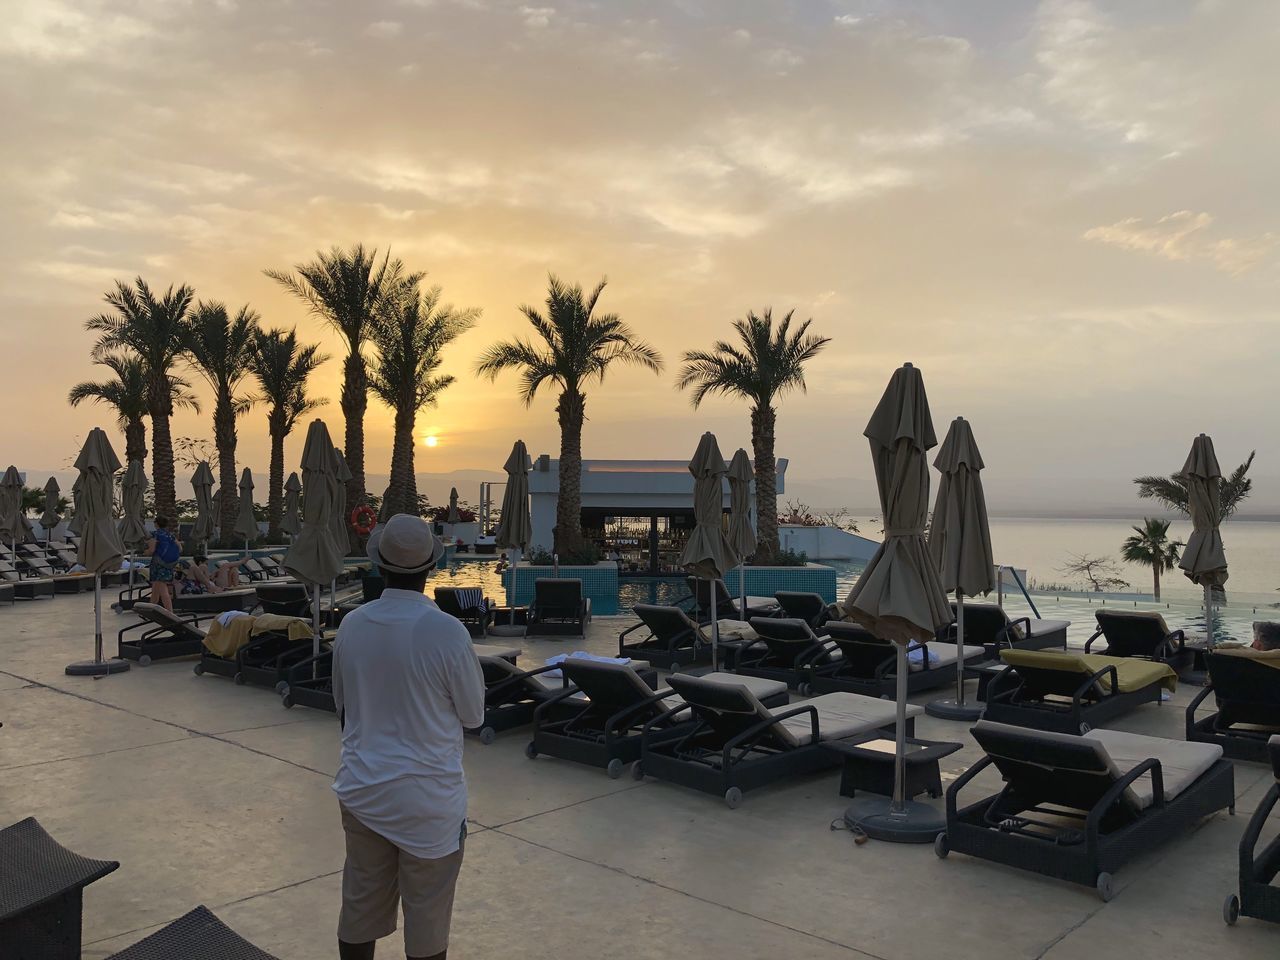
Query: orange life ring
(363,520)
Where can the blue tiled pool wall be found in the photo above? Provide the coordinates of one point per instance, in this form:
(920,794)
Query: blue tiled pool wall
(609,596)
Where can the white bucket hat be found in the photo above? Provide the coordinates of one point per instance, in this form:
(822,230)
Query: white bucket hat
(405,544)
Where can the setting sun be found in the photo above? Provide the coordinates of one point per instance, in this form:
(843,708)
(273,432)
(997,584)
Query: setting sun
(431,441)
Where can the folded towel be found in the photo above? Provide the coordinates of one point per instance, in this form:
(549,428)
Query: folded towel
(1131,672)
(916,654)
(579,655)
(469,598)
(226,618)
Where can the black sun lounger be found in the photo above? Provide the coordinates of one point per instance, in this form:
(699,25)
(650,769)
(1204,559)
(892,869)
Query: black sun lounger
(1072,692)
(869,664)
(728,607)
(1140,633)
(242,598)
(474,617)
(289,599)
(559,608)
(24,589)
(265,661)
(198,935)
(1246,688)
(6,594)
(1259,895)
(784,649)
(809,607)
(41,893)
(1079,808)
(511,695)
(674,640)
(309,683)
(987,625)
(606,730)
(737,743)
(164,635)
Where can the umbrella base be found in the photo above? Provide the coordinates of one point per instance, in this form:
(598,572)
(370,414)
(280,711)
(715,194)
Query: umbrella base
(915,823)
(950,709)
(96,668)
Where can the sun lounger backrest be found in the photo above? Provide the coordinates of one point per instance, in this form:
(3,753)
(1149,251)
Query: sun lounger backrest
(809,607)
(154,613)
(786,638)
(1247,691)
(558,598)
(665,623)
(864,653)
(1132,633)
(1050,767)
(701,590)
(1049,674)
(1273,750)
(983,623)
(447,601)
(7,573)
(610,686)
(728,708)
(498,670)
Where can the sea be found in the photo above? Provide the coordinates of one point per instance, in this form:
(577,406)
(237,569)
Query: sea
(1042,547)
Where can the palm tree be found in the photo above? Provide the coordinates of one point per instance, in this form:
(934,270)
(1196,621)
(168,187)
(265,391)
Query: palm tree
(347,289)
(577,346)
(409,335)
(1172,490)
(152,329)
(127,394)
(767,364)
(220,348)
(282,367)
(1150,546)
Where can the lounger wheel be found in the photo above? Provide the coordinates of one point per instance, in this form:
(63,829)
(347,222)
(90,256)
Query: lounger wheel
(1085,728)
(1231,910)
(675,667)
(733,798)
(198,669)
(637,771)
(286,699)
(144,660)
(614,770)
(804,689)
(238,679)
(1105,886)
(281,687)
(941,846)
(488,735)
(531,750)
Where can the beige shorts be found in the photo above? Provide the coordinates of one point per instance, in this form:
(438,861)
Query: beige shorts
(378,876)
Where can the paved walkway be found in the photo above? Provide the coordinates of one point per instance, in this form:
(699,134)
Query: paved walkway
(211,793)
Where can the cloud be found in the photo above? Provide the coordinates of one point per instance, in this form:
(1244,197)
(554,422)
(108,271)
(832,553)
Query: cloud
(1180,236)
(384,29)
(537,18)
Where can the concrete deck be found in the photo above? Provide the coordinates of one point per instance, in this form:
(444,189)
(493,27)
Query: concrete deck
(211,793)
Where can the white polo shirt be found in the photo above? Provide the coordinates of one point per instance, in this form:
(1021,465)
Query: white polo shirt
(409,682)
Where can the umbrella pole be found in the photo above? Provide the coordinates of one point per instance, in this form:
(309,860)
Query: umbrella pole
(898,807)
(956,709)
(315,629)
(959,648)
(742,587)
(1208,614)
(97,667)
(715,630)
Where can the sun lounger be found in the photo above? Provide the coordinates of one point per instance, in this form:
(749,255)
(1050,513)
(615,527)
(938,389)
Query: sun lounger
(674,640)
(1140,633)
(607,729)
(24,589)
(513,695)
(474,614)
(6,594)
(728,607)
(1245,684)
(987,625)
(285,598)
(164,635)
(784,649)
(41,892)
(1072,692)
(1079,808)
(198,935)
(809,607)
(264,658)
(736,743)
(242,598)
(1259,895)
(559,608)
(869,664)
(271,567)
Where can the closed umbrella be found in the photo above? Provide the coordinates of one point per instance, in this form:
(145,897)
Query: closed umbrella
(133,535)
(960,544)
(1204,560)
(708,553)
(742,536)
(100,547)
(515,526)
(290,523)
(50,518)
(313,556)
(76,524)
(11,513)
(202,488)
(246,524)
(338,516)
(899,595)
(452,515)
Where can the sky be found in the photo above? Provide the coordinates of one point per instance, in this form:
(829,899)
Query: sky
(1064,212)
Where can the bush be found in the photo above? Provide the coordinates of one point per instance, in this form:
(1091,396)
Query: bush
(789,558)
(584,555)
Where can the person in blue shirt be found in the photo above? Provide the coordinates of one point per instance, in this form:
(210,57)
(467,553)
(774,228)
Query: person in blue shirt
(164,550)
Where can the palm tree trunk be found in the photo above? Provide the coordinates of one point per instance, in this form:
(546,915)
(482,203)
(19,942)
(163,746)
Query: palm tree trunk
(275,479)
(224,439)
(401,463)
(763,420)
(135,441)
(571,411)
(162,463)
(354,402)
(1155,567)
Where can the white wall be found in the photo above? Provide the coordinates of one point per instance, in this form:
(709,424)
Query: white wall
(825,543)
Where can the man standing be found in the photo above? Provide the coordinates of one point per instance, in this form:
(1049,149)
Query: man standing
(406,682)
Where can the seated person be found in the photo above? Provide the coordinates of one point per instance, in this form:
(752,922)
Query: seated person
(185,581)
(224,575)
(1266,635)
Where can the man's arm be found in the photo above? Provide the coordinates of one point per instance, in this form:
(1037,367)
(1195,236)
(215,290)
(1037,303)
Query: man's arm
(335,677)
(466,684)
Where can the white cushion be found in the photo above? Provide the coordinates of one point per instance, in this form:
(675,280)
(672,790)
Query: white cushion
(760,687)
(1041,627)
(491,650)
(946,654)
(1181,763)
(841,715)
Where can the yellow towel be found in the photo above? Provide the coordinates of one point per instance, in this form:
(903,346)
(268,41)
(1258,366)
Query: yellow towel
(1132,673)
(225,641)
(1268,658)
